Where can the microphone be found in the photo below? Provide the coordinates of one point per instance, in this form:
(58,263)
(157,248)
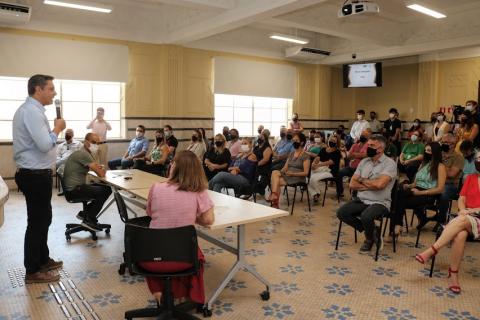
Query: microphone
(58,105)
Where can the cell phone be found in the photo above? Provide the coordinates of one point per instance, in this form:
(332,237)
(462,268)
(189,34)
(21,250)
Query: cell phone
(127,178)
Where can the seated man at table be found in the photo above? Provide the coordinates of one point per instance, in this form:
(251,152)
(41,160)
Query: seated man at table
(374,180)
(137,149)
(74,177)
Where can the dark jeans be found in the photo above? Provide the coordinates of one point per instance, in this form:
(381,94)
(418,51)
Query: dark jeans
(406,200)
(344,172)
(410,169)
(114,163)
(37,188)
(158,169)
(450,192)
(228,180)
(98,192)
(351,211)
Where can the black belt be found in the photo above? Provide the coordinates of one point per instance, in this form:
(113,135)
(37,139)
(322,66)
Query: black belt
(101,142)
(35,171)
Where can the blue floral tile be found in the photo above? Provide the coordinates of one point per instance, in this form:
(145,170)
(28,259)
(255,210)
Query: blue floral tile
(453,314)
(397,314)
(474,272)
(341,271)
(341,243)
(262,240)
(273,222)
(336,288)
(226,239)
(381,256)
(394,291)
(230,230)
(212,251)
(15,316)
(300,242)
(388,272)
(112,260)
(235,285)
(338,255)
(291,269)
(254,252)
(86,274)
(436,273)
(306,223)
(285,287)
(105,299)
(296,254)
(278,311)
(127,278)
(443,292)
(220,307)
(302,232)
(268,230)
(335,232)
(334,223)
(337,312)
(469,259)
(48,296)
(411,244)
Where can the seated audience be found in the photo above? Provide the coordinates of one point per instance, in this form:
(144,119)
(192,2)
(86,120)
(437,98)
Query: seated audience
(234,144)
(411,156)
(357,152)
(317,146)
(197,146)
(357,128)
(295,126)
(226,133)
(75,175)
(467,223)
(468,129)
(391,150)
(440,127)
(468,153)
(324,166)
(295,170)
(472,106)
(170,139)
(263,152)
(156,161)
(217,158)
(137,149)
(181,201)
(428,183)
(241,171)
(65,149)
(375,125)
(259,131)
(374,180)
(392,128)
(416,128)
(282,149)
(311,139)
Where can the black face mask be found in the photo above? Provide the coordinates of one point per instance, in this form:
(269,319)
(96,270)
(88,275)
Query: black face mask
(159,139)
(371,152)
(427,157)
(363,139)
(445,147)
(259,131)
(260,140)
(477,166)
(332,144)
(68,137)
(469,157)
(233,136)
(295,119)
(312,138)
(194,138)
(289,137)
(296,144)
(218,144)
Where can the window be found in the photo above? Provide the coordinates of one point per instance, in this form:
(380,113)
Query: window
(246,113)
(80,100)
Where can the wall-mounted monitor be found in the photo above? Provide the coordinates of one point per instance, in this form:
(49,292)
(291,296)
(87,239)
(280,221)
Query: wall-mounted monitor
(362,75)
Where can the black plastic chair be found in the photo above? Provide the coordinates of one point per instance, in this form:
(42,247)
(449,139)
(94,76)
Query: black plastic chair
(327,180)
(72,228)
(303,185)
(176,244)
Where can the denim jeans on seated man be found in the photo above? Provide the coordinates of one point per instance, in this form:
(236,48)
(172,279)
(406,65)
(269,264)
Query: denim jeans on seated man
(227,180)
(449,193)
(124,163)
(98,192)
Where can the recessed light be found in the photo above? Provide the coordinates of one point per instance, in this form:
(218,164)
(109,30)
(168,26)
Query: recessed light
(78,5)
(427,11)
(288,38)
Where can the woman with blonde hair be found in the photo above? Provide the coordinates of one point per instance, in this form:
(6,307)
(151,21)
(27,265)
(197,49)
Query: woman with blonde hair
(217,158)
(181,201)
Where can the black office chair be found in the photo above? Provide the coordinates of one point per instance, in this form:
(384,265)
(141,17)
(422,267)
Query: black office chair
(72,228)
(139,248)
(140,221)
(303,185)
(387,218)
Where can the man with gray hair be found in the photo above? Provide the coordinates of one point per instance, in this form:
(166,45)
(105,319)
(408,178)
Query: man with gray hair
(373,179)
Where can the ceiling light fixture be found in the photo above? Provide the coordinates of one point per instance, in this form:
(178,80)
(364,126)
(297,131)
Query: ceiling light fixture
(77,6)
(287,38)
(427,11)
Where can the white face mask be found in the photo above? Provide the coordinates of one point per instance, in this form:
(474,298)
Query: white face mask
(93,148)
(244,148)
(318,140)
(139,134)
(167,134)
(391,115)
(414,138)
(359,117)
(416,124)
(469,107)
(440,118)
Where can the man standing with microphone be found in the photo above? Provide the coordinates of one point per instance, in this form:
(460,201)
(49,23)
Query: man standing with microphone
(100,127)
(34,147)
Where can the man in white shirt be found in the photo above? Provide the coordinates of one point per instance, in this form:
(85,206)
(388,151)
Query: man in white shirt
(65,149)
(100,127)
(358,127)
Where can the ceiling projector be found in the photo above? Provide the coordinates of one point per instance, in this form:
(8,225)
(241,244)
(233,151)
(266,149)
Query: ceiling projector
(354,7)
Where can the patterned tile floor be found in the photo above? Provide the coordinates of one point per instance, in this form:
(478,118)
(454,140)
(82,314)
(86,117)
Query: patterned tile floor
(310,280)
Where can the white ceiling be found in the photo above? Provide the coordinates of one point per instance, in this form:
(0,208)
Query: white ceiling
(243,26)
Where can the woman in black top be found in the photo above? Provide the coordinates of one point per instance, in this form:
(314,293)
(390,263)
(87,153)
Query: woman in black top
(217,158)
(392,129)
(264,152)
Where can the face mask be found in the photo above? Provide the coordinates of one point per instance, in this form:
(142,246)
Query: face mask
(416,124)
(463,120)
(233,136)
(332,144)
(159,139)
(469,107)
(218,144)
(68,137)
(391,115)
(283,135)
(445,147)
(167,133)
(289,137)
(363,139)
(295,119)
(372,118)
(296,144)
(469,157)
(260,139)
(427,157)
(312,138)
(318,140)
(477,165)
(414,138)
(93,148)
(359,117)
(259,131)
(440,118)
(244,148)
(371,152)
(139,134)
(194,138)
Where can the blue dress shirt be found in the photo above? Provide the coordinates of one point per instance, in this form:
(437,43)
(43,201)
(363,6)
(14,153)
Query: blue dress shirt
(34,144)
(284,146)
(136,145)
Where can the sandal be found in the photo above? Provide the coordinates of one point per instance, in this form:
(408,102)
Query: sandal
(273,202)
(454,288)
(421,259)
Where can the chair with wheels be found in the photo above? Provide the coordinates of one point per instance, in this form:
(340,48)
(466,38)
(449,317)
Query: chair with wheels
(139,249)
(72,228)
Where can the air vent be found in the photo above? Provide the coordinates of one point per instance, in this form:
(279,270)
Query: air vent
(316,51)
(14,8)
(14,14)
